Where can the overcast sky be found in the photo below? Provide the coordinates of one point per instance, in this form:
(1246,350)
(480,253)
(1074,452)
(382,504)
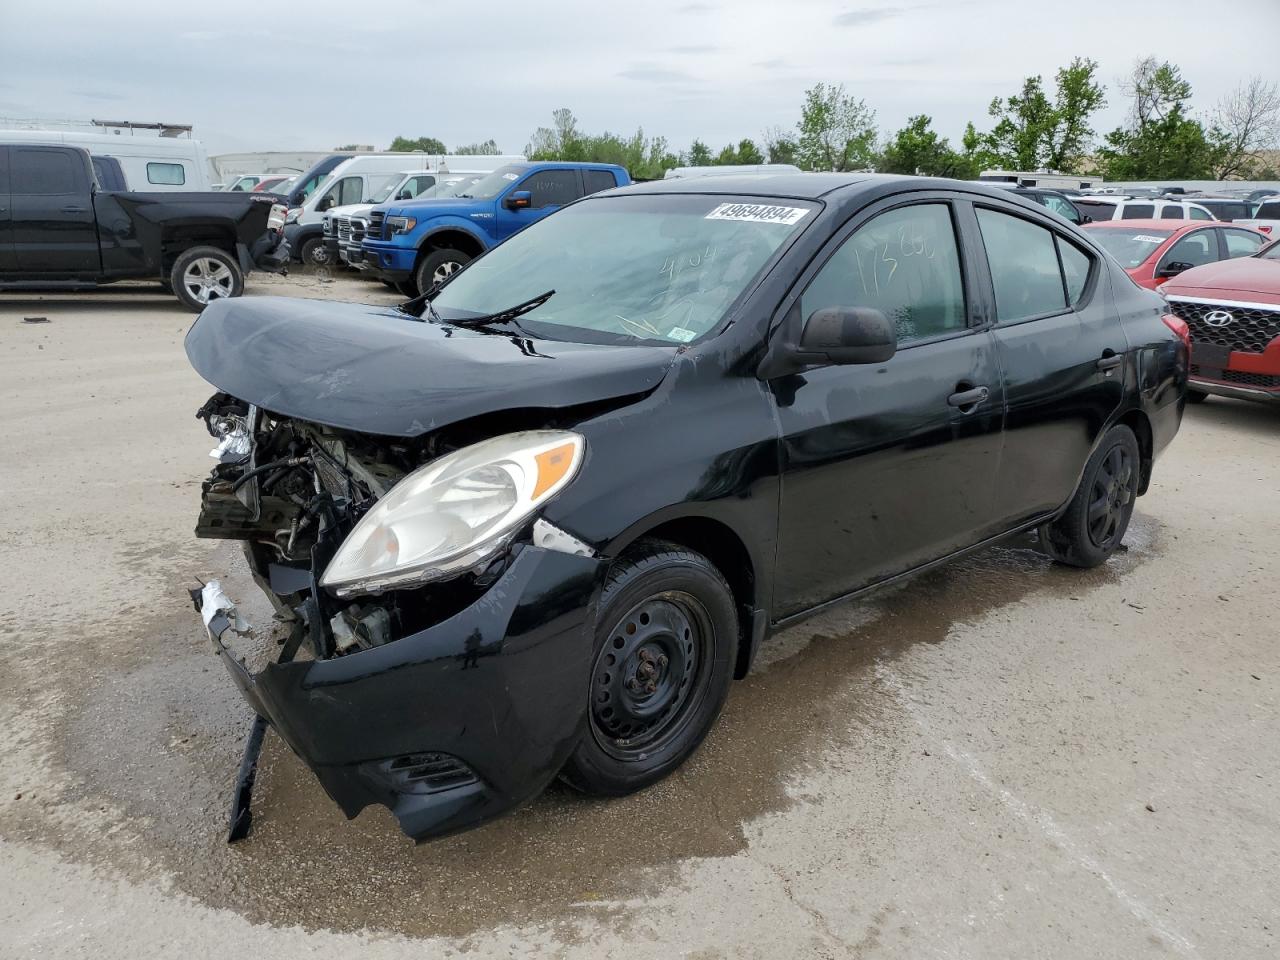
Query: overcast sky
(311,76)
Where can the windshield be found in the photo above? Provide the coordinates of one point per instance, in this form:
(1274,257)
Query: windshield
(451,187)
(383,192)
(648,267)
(1270,253)
(488,187)
(1130,247)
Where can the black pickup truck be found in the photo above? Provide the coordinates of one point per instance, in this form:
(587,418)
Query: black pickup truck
(60,229)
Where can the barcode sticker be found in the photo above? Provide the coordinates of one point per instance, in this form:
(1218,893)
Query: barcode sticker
(758,213)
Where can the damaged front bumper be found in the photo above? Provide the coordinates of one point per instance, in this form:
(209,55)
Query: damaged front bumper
(452,725)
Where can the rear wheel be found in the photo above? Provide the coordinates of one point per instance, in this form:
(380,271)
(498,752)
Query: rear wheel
(665,645)
(314,253)
(437,267)
(204,274)
(1196,396)
(1095,521)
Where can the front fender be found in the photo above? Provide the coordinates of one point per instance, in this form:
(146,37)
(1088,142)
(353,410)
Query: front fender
(438,225)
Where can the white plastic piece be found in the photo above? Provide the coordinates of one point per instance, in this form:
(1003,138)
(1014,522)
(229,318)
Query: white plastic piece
(214,600)
(551,537)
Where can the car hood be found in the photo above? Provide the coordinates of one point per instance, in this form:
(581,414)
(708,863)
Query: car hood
(436,207)
(377,370)
(1260,279)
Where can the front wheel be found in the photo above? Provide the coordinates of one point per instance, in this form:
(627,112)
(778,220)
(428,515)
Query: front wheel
(665,645)
(437,267)
(1095,521)
(314,253)
(204,274)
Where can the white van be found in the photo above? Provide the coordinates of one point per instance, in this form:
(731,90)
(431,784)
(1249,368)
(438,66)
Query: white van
(360,179)
(149,163)
(1141,208)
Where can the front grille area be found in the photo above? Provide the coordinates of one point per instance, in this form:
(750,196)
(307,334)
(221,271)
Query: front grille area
(1266,381)
(1250,328)
(375,224)
(344,229)
(358,227)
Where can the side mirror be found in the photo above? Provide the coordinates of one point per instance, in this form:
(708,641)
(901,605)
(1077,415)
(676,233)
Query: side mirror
(1173,268)
(1085,218)
(841,335)
(404,195)
(518,200)
(325,203)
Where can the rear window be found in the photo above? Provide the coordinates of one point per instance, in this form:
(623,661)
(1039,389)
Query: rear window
(36,172)
(1024,267)
(1269,210)
(597,180)
(1170,212)
(1130,247)
(1138,211)
(169,174)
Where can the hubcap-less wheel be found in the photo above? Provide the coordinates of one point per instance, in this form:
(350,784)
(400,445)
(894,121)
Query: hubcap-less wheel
(319,255)
(1111,494)
(207,279)
(445,271)
(650,673)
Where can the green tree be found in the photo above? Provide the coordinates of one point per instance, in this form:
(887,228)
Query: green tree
(748,152)
(644,157)
(699,155)
(417,145)
(727,157)
(837,130)
(1032,131)
(487,148)
(560,141)
(1247,122)
(779,146)
(917,149)
(1161,140)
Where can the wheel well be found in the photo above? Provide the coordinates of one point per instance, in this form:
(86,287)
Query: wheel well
(452,240)
(176,240)
(1137,421)
(728,554)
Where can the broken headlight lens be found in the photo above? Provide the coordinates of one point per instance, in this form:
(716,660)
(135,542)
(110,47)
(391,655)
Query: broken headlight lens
(455,513)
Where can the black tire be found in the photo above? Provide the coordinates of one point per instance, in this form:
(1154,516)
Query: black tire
(665,646)
(1094,523)
(1196,396)
(406,288)
(436,266)
(314,253)
(203,274)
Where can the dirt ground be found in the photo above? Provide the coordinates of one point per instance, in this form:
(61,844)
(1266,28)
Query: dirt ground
(1003,759)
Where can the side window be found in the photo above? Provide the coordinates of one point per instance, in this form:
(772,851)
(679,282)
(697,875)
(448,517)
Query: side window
(1241,243)
(170,174)
(37,172)
(1024,267)
(1194,249)
(349,190)
(1198,214)
(1075,269)
(552,188)
(419,184)
(1137,211)
(905,264)
(1061,207)
(1171,211)
(597,180)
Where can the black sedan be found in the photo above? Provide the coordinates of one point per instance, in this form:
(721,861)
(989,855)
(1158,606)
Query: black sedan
(535,522)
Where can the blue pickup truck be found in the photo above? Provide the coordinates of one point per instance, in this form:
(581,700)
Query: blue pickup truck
(416,244)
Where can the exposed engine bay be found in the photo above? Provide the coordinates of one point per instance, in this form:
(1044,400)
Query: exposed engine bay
(292,491)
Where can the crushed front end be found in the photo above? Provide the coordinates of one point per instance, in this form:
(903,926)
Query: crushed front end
(449,694)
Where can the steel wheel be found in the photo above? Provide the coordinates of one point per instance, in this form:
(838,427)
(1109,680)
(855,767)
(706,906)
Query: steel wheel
(650,674)
(1113,489)
(207,279)
(444,271)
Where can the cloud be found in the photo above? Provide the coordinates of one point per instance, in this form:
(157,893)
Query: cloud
(98,95)
(777,63)
(697,8)
(652,73)
(694,48)
(867,15)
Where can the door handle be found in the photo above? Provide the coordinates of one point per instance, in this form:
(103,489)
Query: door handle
(969,398)
(74,210)
(1110,360)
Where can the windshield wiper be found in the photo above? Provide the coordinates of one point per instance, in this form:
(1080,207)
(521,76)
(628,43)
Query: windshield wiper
(510,313)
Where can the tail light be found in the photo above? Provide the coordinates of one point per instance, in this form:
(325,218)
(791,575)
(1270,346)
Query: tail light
(1179,327)
(1266,230)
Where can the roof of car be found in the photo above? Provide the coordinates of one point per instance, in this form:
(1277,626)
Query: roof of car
(801,186)
(1152,224)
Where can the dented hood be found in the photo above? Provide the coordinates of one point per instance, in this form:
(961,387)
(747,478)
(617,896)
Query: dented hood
(375,370)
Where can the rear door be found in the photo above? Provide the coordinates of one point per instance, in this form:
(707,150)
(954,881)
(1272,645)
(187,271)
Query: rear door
(887,466)
(7,262)
(54,230)
(1062,352)
(1240,243)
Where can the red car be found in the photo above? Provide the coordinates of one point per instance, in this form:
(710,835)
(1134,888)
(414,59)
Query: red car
(1152,251)
(1233,310)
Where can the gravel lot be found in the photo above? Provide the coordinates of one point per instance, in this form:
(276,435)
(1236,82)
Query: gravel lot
(1002,759)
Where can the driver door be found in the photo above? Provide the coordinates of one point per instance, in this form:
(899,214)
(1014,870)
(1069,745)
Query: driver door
(888,466)
(549,191)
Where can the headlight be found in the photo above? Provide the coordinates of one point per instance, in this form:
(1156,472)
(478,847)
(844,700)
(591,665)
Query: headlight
(455,513)
(401,224)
